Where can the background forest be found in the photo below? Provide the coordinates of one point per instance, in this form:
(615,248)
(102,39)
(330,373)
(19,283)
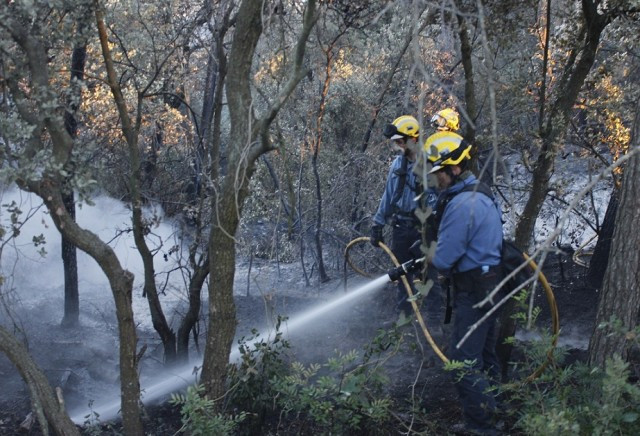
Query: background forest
(255,126)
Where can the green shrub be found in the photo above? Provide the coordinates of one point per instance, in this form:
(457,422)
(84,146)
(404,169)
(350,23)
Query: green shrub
(341,396)
(261,360)
(577,399)
(334,399)
(199,416)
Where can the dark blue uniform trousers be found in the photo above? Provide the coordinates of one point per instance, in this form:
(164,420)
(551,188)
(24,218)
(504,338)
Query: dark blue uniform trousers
(474,384)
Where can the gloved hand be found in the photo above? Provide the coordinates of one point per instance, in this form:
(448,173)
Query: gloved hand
(376,235)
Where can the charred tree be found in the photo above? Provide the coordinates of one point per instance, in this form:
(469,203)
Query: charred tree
(600,259)
(69,253)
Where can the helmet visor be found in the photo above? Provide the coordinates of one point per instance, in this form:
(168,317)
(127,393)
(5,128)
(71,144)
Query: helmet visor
(391,132)
(438,121)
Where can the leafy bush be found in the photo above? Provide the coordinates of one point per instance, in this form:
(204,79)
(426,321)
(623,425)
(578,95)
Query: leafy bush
(578,399)
(340,401)
(582,400)
(199,416)
(342,396)
(250,380)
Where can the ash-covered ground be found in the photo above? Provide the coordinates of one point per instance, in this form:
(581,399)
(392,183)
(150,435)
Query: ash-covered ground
(84,361)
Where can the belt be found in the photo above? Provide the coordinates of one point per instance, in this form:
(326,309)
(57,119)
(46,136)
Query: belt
(479,270)
(468,280)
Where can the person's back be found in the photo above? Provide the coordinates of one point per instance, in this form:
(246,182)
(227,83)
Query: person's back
(469,241)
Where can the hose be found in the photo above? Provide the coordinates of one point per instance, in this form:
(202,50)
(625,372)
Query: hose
(555,320)
(405,282)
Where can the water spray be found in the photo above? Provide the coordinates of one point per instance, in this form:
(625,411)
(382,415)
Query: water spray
(178,379)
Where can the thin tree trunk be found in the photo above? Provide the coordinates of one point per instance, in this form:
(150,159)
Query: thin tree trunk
(553,133)
(317,141)
(71,316)
(190,319)
(46,407)
(251,140)
(121,284)
(276,187)
(466,51)
(130,383)
(301,224)
(600,259)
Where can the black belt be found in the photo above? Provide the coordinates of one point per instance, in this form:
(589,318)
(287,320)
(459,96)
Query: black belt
(468,281)
(474,272)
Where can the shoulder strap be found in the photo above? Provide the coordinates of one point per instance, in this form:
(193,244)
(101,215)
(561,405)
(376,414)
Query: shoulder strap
(478,187)
(443,201)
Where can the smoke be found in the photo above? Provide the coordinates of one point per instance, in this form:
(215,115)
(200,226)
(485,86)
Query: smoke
(34,291)
(35,269)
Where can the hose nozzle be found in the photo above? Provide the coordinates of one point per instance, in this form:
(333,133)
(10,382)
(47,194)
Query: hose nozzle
(404,269)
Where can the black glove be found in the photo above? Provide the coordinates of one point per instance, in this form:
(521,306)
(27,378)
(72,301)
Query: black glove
(376,235)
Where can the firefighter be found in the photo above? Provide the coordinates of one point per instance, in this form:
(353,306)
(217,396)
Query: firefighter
(398,202)
(469,240)
(446,120)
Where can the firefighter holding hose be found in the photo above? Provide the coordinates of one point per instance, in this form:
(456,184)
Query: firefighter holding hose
(469,241)
(398,203)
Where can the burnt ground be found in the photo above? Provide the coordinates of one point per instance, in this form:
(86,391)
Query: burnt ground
(84,361)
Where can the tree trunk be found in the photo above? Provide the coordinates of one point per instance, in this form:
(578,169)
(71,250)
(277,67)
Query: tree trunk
(250,141)
(45,406)
(466,52)
(222,309)
(575,69)
(600,259)
(71,316)
(322,271)
(317,141)
(121,284)
(226,205)
(620,297)
(190,319)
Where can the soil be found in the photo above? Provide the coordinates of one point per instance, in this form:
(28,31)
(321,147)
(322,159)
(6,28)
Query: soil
(83,361)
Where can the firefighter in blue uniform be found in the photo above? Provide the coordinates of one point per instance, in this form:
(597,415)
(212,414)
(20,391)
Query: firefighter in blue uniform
(398,202)
(469,240)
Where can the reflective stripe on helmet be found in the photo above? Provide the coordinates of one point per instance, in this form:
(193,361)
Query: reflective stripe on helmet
(446,148)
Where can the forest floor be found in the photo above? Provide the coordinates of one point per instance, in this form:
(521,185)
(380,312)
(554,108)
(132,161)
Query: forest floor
(84,360)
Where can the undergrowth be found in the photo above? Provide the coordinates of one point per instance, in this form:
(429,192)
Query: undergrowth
(576,399)
(268,394)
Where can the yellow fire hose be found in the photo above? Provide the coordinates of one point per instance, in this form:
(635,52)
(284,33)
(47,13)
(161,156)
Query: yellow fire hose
(555,323)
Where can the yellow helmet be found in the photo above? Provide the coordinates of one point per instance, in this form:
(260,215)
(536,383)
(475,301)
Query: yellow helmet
(446,148)
(446,119)
(405,126)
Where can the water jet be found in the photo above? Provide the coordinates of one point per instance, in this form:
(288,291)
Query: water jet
(179,378)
